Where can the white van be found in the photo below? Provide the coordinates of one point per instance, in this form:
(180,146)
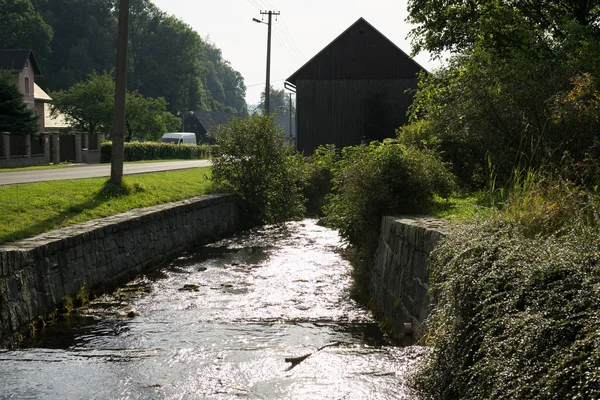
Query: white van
(179,138)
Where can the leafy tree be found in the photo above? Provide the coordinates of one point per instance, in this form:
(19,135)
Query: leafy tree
(251,160)
(278,102)
(23,27)
(15,116)
(87,105)
(456,26)
(494,100)
(147,118)
(84,40)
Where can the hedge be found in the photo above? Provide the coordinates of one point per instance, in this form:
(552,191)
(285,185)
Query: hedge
(140,151)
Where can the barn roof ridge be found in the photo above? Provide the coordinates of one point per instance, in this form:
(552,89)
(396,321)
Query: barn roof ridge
(292,77)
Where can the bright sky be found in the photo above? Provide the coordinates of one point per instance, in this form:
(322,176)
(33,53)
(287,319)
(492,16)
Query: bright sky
(300,32)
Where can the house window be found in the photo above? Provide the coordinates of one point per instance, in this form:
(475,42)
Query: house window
(26,63)
(27,86)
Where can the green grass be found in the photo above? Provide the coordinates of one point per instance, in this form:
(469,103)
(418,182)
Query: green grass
(461,207)
(38,167)
(30,209)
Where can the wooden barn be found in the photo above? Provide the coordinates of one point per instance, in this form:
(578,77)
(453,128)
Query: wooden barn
(354,90)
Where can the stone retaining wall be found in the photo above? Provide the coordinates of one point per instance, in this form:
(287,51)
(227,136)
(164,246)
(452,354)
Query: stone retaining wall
(399,280)
(36,273)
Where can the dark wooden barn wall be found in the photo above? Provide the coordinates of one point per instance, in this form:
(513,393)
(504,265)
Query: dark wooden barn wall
(348,112)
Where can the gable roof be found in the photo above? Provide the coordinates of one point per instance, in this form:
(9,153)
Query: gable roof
(360,52)
(40,95)
(211,119)
(14,60)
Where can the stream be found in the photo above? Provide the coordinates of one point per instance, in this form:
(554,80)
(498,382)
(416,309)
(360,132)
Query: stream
(219,323)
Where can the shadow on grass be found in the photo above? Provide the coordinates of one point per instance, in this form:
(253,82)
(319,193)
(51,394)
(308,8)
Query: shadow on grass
(108,192)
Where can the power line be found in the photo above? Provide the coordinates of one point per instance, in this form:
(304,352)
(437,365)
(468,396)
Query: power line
(247,86)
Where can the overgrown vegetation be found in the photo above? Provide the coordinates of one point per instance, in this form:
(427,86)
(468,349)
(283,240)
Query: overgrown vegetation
(517,300)
(142,151)
(250,159)
(374,180)
(34,208)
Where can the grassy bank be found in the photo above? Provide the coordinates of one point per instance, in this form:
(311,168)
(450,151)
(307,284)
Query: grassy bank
(516,306)
(30,209)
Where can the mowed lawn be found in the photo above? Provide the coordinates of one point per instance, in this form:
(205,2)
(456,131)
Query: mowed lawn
(30,209)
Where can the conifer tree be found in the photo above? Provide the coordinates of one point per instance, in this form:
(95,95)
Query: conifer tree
(15,116)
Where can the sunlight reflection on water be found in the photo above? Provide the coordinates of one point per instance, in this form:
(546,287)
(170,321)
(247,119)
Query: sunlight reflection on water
(219,323)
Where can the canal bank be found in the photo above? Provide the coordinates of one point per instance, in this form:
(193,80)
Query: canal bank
(36,273)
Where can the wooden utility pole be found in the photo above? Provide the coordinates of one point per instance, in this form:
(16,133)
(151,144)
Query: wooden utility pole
(118,153)
(268,83)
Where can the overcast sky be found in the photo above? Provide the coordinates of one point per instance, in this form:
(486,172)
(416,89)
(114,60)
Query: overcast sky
(301,31)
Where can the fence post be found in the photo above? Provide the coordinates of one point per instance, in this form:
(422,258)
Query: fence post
(47,154)
(78,147)
(6,145)
(56,148)
(28,145)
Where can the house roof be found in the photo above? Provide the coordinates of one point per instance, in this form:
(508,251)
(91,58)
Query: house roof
(39,94)
(14,60)
(210,119)
(360,52)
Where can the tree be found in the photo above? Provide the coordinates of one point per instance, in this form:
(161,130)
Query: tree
(83,42)
(490,108)
(87,105)
(15,116)
(147,118)
(90,105)
(278,102)
(456,26)
(23,27)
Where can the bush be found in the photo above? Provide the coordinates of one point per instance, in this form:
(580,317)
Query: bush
(141,151)
(318,176)
(250,159)
(516,298)
(374,180)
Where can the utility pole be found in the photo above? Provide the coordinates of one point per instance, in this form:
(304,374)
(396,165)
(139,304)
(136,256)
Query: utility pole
(268,83)
(291,132)
(117,153)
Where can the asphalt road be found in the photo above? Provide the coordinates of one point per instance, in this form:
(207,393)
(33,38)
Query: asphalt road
(80,171)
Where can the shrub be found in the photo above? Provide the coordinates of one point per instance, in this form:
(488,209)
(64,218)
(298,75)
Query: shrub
(318,176)
(516,297)
(374,180)
(141,151)
(516,317)
(250,159)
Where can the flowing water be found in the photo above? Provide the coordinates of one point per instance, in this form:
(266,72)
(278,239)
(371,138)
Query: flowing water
(219,323)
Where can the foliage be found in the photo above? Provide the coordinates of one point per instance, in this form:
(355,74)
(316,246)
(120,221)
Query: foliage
(251,160)
(278,102)
(500,105)
(84,40)
(446,25)
(318,171)
(15,116)
(167,58)
(34,208)
(374,180)
(22,27)
(147,118)
(141,151)
(516,315)
(87,105)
